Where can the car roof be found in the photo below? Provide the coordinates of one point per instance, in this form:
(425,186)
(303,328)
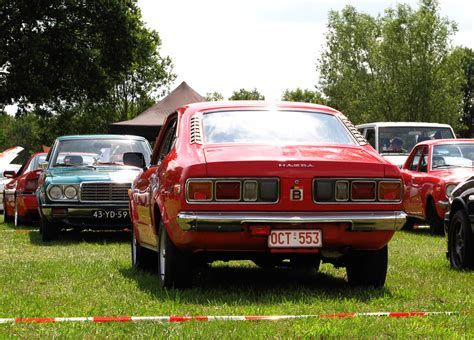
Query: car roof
(99,137)
(403,124)
(446,141)
(258,104)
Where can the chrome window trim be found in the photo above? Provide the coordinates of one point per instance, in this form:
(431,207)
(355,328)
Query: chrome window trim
(385,181)
(227,181)
(241,179)
(357,202)
(365,181)
(94,182)
(348,187)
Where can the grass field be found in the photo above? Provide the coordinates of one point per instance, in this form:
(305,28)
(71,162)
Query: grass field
(89,274)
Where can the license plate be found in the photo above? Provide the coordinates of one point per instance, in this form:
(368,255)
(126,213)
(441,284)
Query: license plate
(112,214)
(295,239)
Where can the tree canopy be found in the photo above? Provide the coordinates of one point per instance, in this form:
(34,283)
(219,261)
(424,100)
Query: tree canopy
(244,94)
(304,96)
(394,67)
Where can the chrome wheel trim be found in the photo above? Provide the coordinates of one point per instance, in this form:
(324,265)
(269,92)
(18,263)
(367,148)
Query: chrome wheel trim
(162,253)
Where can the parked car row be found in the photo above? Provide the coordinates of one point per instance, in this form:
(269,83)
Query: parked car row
(285,184)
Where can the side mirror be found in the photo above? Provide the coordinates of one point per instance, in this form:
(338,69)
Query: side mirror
(43,165)
(9,174)
(134,159)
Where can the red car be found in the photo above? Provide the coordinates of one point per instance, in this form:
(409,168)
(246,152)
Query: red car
(277,183)
(20,203)
(430,173)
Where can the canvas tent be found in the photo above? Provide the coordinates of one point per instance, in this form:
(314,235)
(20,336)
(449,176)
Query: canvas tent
(148,123)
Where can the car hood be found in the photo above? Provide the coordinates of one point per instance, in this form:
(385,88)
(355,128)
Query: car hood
(301,161)
(98,174)
(454,175)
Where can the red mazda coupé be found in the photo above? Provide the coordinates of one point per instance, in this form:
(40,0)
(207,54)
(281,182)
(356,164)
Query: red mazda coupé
(277,183)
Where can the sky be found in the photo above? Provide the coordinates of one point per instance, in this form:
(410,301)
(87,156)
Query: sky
(270,45)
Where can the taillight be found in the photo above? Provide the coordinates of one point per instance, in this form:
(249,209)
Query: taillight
(363,191)
(199,190)
(31,184)
(228,190)
(390,191)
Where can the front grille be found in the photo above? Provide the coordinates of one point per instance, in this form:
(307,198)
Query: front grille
(104,192)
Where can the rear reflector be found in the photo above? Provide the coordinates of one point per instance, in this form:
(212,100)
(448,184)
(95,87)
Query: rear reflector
(260,230)
(363,191)
(389,191)
(228,191)
(199,190)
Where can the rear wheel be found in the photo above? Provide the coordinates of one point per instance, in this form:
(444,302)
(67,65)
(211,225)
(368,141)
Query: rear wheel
(142,258)
(436,222)
(49,231)
(174,266)
(460,242)
(367,268)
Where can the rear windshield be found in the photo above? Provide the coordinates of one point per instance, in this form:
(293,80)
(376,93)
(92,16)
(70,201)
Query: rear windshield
(274,127)
(401,139)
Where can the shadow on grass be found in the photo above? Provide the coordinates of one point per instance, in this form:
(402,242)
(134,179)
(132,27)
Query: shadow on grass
(422,232)
(252,285)
(88,236)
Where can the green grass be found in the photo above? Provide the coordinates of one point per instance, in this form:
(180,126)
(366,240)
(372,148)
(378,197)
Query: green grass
(89,274)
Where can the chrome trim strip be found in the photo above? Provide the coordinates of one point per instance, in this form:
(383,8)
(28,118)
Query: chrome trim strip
(360,221)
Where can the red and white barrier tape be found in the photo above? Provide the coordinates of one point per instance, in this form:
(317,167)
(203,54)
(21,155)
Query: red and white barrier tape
(99,319)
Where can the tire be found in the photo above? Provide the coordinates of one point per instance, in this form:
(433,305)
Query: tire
(174,266)
(460,242)
(18,220)
(367,268)
(6,218)
(142,258)
(436,223)
(408,224)
(49,231)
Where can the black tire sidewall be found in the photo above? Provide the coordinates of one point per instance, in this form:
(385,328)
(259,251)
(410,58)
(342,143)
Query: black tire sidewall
(468,257)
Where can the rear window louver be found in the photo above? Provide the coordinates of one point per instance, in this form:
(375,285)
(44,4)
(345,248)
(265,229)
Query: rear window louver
(360,139)
(196,135)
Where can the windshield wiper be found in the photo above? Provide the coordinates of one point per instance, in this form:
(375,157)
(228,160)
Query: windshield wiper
(108,163)
(74,165)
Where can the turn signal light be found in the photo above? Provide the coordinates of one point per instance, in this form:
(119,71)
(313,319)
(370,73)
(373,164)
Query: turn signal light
(363,191)
(390,191)
(199,190)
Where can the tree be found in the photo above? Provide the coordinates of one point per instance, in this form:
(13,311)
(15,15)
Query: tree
(465,57)
(303,96)
(213,96)
(59,53)
(244,94)
(395,67)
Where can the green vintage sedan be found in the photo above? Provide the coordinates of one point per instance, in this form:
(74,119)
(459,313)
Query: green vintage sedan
(86,180)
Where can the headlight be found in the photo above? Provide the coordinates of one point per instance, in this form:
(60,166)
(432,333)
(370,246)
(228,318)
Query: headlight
(450,188)
(70,192)
(55,192)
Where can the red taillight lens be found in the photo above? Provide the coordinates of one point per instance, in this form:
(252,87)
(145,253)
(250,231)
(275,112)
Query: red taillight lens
(364,191)
(228,191)
(31,184)
(199,190)
(389,191)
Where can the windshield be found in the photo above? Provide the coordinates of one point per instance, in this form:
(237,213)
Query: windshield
(96,152)
(452,156)
(274,127)
(401,139)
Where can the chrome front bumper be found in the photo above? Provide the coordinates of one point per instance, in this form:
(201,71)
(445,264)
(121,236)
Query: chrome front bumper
(228,221)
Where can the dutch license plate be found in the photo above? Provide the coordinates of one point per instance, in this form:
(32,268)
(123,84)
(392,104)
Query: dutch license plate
(295,239)
(112,214)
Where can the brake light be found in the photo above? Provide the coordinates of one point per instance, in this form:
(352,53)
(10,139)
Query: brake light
(228,191)
(31,184)
(389,191)
(199,190)
(363,191)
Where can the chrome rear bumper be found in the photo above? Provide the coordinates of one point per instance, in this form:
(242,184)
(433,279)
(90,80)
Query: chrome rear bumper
(227,221)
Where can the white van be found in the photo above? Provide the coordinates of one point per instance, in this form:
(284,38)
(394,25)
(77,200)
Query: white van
(394,140)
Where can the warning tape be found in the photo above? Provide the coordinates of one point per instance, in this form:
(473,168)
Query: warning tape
(100,319)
